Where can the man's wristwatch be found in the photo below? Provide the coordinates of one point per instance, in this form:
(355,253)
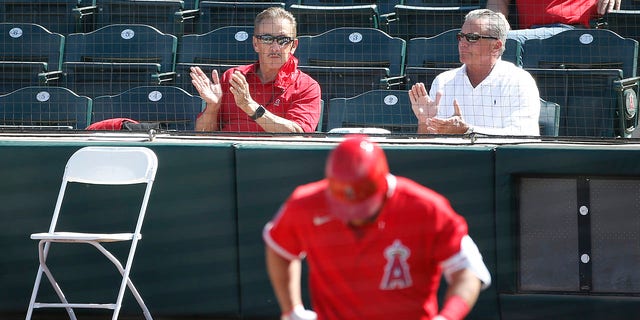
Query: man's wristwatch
(259,113)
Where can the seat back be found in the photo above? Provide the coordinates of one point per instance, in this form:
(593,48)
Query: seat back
(218,14)
(59,16)
(164,15)
(172,107)
(583,49)
(587,72)
(595,102)
(384,109)
(112,166)
(349,61)
(29,42)
(383,6)
(630,5)
(412,21)
(123,43)
(47,108)
(626,23)
(313,19)
(353,47)
(219,49)
(549,118)
(117,57)
(21,64)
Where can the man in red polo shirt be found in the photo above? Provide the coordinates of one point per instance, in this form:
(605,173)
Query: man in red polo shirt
(271,95)
(547,12)
(539,19)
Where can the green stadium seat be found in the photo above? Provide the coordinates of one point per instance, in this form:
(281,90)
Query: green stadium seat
(418,20)
(625,23)
(349,61)
(592,75)
(630,5)
(117,57)
(21,64)
(60,16)
(384,109)
(168,16)
(218,14)
(45,108)
(314,17)
(173,108)
(583,49)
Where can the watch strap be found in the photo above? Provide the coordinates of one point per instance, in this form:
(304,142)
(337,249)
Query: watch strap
(258,114)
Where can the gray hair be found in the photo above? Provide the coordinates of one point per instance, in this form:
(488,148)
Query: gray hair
(497,24)
(276,13)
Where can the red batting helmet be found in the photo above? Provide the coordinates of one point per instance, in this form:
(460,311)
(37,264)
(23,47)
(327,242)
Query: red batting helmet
(356,171)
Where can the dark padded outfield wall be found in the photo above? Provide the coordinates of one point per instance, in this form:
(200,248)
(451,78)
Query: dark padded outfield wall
(568,231)
(464,174)
(186,262)
(267,174)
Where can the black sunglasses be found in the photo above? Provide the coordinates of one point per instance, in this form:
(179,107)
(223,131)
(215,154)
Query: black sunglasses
(473,37)
(269,39)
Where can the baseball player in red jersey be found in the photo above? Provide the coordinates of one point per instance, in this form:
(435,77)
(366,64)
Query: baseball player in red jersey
(376,245)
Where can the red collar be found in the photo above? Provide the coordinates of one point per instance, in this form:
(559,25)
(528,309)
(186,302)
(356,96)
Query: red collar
(286,76)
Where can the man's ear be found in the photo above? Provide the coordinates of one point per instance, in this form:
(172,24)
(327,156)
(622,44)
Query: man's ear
(254,41)
(498,45)
(294,45)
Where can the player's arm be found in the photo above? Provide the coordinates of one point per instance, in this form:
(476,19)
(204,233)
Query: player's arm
(285,280)
(466,276)
(462,294)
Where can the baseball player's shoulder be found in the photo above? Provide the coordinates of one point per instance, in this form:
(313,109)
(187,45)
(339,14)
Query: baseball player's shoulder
(309,191)
(422,199)
(410,187)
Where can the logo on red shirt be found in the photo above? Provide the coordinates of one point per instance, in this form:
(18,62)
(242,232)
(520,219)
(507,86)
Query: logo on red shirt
(396,271)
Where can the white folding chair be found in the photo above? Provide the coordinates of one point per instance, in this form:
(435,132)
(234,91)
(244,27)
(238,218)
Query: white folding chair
(100,166)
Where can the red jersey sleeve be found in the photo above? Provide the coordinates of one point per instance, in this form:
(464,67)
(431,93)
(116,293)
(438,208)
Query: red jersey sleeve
(452,228)
(280,234)
(305,109)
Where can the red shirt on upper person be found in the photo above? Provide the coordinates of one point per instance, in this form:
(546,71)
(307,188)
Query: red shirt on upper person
(293,95)
(544,12)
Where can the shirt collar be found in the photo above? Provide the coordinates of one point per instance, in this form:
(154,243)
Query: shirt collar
(286,76)
(288,73)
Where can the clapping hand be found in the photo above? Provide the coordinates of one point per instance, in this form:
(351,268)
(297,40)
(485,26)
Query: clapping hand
(452,125)
(423,106)
(209,89)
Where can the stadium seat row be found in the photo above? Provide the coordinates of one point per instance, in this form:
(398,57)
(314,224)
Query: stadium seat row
(590,73)
(173,109)
(58,108)
(400,18)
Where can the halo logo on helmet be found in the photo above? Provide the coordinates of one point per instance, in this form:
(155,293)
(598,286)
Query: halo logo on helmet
(349,193)
(356,173)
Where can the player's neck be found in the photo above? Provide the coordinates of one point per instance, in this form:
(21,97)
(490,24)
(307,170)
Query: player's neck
(359,223)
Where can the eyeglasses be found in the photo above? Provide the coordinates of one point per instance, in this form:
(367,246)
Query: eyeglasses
(473,37)
(269,39)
